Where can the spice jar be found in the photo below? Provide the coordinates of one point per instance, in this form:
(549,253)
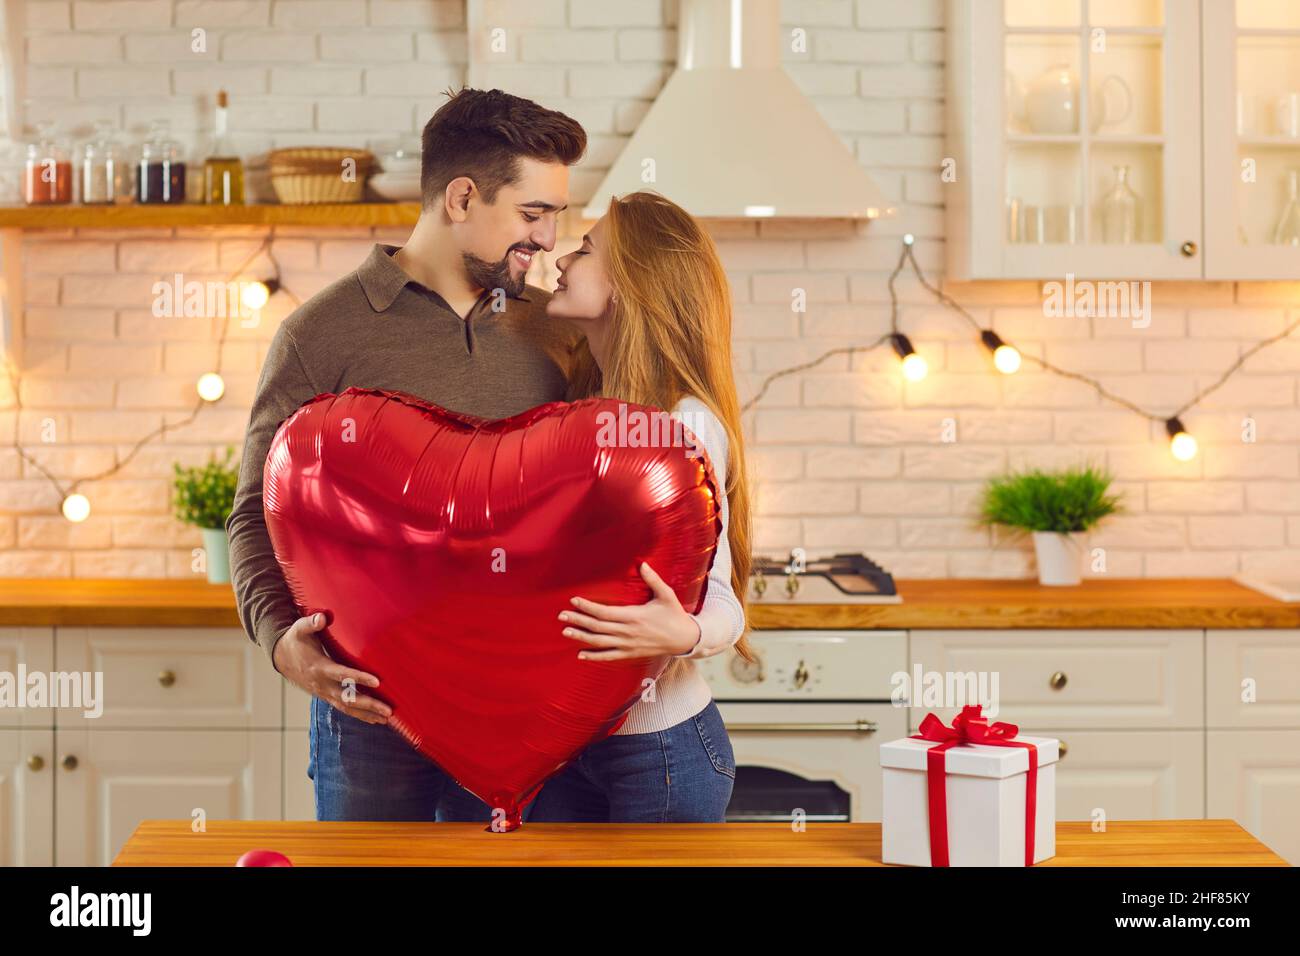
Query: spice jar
(160,174)
(48,173)
(99,166)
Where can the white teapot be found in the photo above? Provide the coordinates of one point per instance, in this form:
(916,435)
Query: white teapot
(1051,104)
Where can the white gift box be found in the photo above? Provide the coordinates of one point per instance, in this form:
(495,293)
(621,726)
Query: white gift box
(985,787)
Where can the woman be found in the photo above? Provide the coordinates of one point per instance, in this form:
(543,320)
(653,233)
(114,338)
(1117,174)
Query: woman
(648,289)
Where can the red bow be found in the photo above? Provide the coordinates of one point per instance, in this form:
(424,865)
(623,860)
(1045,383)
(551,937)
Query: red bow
(970,727)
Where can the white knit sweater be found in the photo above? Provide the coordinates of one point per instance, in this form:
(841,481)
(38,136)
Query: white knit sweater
(681,692)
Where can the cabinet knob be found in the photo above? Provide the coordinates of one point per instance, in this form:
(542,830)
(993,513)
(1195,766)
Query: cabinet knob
(1062,750)
(1188,248)
(69,762)
(1058,680)
(167,678)
(35,762)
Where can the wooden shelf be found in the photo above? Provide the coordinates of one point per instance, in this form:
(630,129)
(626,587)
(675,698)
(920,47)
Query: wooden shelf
(159,216)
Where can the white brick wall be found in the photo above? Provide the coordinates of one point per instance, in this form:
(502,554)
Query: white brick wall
(845,456)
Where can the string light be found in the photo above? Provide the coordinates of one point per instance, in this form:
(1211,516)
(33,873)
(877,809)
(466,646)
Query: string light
(1007,358)
(915,366)
(210,387)
(255,294)
(1181,444)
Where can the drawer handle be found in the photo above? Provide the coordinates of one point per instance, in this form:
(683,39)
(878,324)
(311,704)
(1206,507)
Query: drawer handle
(1058,680)
(36,762)
(70,762)
(167,678)
(1062,749)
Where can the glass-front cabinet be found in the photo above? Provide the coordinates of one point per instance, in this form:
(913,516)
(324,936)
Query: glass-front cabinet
(1154,139)
(1252,142)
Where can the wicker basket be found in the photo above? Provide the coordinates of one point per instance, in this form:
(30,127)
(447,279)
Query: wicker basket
(313,174)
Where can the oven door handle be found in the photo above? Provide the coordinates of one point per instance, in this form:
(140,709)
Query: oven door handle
(857,726)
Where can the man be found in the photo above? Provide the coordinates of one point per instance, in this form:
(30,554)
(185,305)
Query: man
(447,317)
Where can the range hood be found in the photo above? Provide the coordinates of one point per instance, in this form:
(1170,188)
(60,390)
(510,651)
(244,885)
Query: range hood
(731,136)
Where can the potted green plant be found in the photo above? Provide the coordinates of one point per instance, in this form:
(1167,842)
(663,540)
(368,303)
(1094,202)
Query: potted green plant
(1056,507)
(203,497)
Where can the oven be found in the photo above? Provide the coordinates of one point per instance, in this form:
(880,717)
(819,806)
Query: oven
(806,722)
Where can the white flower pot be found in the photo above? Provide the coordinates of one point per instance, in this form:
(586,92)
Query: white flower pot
(217,546)
(1060,557)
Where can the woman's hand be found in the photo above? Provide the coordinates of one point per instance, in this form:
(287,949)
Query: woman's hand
(619,632)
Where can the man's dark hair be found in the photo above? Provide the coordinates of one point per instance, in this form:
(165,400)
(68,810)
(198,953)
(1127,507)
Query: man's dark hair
(482,133)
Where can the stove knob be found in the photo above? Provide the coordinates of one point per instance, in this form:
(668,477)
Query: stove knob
(800,675)
(747,672)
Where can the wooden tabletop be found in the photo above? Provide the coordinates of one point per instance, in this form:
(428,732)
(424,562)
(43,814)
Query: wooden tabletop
(310,843)
(1118,603)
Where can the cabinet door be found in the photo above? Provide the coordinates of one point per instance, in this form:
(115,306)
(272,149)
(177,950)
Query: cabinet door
(168,677)
(1254,778)
(299,791)
(1251,75)
(1129,774)
(1075,130)
(1252,679)
(110,780)
(26,797)
(29,649)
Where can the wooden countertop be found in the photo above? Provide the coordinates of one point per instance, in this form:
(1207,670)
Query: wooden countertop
(1119,603)
(311,843)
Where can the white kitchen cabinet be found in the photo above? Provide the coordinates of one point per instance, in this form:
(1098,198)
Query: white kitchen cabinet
(32,649)
(110,780)
(1252,679)
(1084,679)
(1254,778)
(1251,84)
(27,797)
(172,677)
(1048,100)
(299,791)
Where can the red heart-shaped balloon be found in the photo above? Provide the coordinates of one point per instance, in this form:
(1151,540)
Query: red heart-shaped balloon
(442,547)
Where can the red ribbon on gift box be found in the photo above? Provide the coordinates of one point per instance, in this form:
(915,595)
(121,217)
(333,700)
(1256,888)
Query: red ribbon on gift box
(970,727)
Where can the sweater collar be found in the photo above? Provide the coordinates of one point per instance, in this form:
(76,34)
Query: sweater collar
(383,279)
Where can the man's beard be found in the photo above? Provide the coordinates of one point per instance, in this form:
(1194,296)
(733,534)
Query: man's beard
(496,275)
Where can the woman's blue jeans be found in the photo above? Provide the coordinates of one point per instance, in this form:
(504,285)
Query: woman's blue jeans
(684,774)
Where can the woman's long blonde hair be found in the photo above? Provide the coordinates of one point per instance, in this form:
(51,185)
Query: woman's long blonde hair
(670,336)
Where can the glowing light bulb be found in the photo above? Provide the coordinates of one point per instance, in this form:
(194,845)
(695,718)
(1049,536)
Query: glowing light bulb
(915,367)
(254,295)
(76,507)
(1006,359)
(1181,444)
(211,386)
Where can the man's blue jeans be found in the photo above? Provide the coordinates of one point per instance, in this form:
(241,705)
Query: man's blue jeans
(684,774)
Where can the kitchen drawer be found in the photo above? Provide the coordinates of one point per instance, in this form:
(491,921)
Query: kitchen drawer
(1086,679)
(32,648)
(1271,659)
(1254,778)
(172,677)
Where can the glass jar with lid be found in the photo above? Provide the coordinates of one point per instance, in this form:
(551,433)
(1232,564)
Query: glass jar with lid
(48,173)
(99,166)
(160,174)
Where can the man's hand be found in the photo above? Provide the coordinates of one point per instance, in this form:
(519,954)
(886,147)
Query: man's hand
(616,632)
(299,656)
